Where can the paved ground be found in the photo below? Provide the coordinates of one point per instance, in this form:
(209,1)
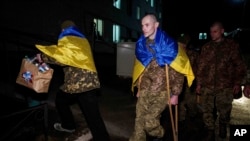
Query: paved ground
(117,106)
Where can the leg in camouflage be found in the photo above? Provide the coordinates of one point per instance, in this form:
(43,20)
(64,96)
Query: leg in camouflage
(148,112)
(207,97)
(188,105)
(223,103)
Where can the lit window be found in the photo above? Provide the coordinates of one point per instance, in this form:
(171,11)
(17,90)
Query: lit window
(152,3)
(202,36)
(99,26)
(117,4)
(116,33)
(138,12)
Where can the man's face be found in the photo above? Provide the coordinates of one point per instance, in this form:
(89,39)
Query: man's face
(216,33)
(149,27)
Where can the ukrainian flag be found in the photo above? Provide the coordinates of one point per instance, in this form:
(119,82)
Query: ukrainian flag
(73,49)
(166,51)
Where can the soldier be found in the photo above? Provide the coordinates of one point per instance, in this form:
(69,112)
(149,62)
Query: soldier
(188,97)
(152,51)
(219,76)
(81,81)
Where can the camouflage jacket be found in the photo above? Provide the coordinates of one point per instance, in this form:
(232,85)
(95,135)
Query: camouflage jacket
(76,80)
(154,79)
(220,65)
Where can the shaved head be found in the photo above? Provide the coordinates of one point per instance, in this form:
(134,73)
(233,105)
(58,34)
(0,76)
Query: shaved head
(219,24)
(151,17)
(217,31)
(149,25)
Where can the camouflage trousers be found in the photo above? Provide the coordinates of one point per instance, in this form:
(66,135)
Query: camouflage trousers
(148,112)
(222,101)
(188,104)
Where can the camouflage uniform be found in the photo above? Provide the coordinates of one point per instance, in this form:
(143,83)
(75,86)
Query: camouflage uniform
(220,68)
(188,102)
(76,80)
(153,100)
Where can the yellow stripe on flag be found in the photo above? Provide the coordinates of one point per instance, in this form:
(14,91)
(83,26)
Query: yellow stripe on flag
(72,51)
(138,69)
(182,64)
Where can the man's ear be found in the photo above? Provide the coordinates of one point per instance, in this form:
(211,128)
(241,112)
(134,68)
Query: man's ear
(157,24)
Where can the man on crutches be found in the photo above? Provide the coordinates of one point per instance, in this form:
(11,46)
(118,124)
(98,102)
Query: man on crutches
(159,76)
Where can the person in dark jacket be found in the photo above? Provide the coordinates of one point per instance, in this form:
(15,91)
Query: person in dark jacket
(219,75)
(188,98)
(81,81)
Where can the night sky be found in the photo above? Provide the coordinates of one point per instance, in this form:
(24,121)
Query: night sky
(196,15)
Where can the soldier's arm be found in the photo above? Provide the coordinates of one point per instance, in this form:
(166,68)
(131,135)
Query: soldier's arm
(239,64)
(176,81)
(202,62)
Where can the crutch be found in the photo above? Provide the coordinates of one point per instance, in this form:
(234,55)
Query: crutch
(174,125)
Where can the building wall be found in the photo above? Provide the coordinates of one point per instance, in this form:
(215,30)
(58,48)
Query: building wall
(26,23)
(44,17)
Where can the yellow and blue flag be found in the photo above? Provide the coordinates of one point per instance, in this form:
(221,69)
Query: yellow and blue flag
(165,50)
(72,49)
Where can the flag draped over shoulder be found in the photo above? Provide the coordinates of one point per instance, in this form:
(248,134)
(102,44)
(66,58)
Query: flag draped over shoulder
(73,49)
(166,51)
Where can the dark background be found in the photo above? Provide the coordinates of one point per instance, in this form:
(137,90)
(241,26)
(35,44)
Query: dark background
(196,15)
